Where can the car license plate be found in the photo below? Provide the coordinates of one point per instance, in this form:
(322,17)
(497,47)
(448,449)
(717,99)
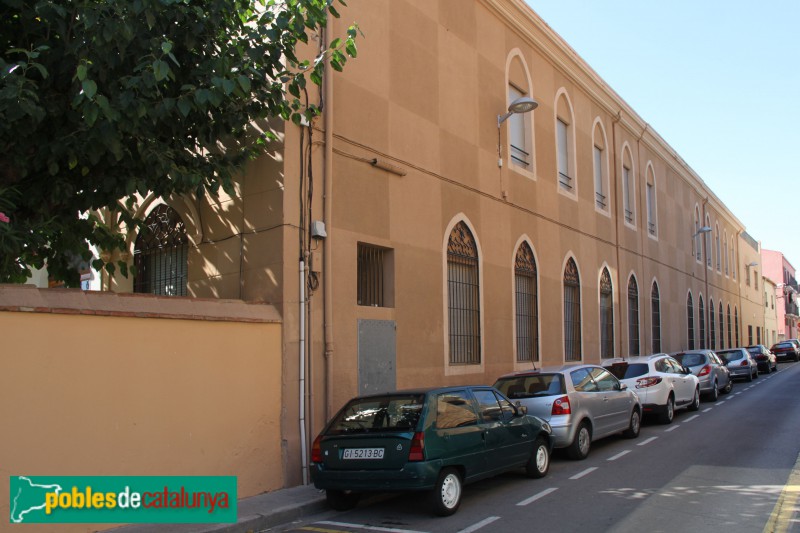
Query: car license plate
(363,453)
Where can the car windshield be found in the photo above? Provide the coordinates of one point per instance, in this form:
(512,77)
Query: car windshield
(691,359)
(625,370)
(755,350)
(783,345)
(732,355)
(397,412)
(531,386)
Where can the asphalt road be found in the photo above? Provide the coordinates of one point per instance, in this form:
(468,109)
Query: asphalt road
(725,468)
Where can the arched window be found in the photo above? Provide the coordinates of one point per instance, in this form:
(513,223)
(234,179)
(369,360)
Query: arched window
(633,317)
(730,345)
(520,125)
(463,292)
(161,254)
(697,243)
(527,290)
(690,320)
(736,324)
(721,328)
(734,266)
(701,315)
(572,312)
(565,144)
(725,253)
(712,330)
(708,243)
(606,315)
(628,186)
(719,250)
(655,317)
(652,212)
(600,165)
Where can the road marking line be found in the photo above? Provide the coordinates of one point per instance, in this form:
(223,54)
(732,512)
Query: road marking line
(690,418)
(620,454)
(585,472)
(707,410)
(782,515)
(720,403)
(476,527)
(537,496)
(365,526)
(321,529)
(647,441)
(672,428)
(737,393)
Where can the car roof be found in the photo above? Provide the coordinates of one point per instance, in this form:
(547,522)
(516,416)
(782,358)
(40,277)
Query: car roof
(635,359)
(554,369)
(421,390)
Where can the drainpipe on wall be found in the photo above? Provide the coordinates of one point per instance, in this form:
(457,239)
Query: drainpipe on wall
(327,262)
(302,360)
(614,123)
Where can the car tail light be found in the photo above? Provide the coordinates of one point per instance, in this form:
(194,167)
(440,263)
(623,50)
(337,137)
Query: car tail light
(706,370)
(643,383)
(316,450)
(561,406)
(417,451)
(745,363)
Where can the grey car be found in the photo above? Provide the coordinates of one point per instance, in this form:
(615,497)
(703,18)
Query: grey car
(740,363)
(714,376)
(582,403)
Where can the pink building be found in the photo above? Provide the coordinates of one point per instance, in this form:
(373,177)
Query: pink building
(777,268)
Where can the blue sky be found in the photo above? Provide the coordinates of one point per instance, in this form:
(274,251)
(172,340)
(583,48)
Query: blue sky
(719,81)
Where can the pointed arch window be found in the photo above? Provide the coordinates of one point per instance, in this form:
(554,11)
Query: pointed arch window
(736,324)
(729,329)
(628,187)
(655,312)
(463,295)
(721,328)
(652,217)
(708,243)
(697,243)
(600,164)
(690,320)
(161,254)
(527,312)
(725,252)
(718,249)
(701,315)
(633,317)
(712,330)
(606,315)
(572,312)
(565,144)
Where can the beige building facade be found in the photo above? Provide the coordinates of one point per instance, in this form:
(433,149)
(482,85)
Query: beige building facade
(410,237)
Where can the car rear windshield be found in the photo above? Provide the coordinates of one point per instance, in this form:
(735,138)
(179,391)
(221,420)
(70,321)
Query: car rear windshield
(732,355)
(755,350)
(691,359)
(398,412)
(531,386)
(625,370)
(784,345)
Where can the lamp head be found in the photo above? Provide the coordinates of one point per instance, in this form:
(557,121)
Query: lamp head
(523,104)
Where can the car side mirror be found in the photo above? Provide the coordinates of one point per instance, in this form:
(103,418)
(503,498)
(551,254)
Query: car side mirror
(687,371)
(521,409)
(621,386)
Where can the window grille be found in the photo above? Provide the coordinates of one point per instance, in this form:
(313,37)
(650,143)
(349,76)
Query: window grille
(527,305)
(606,315)
(736,324)
(463,297)
(749,335)
(690,320)
(721,328)
(371,275)
(633,317)
(712,333)
(701,310)
(655,311)
(161,254)
(572,312)
(729,330)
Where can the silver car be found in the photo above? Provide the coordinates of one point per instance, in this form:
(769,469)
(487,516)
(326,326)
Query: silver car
(714,376)
(740,363)
(582,403)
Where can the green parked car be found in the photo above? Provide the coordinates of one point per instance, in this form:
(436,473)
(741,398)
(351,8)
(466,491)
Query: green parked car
(433,440)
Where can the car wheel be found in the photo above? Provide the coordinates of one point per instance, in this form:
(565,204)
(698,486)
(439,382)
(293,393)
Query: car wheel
(633,428)
(669,411)
(729,387)
(714,394)
(695,405)
(446,495)
(539,463)
(750,377)
(341,500)
(579,448)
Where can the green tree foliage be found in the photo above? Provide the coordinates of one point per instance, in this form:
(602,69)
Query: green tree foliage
(101,99)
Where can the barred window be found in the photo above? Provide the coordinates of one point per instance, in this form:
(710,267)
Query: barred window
(729,329)
(463,293)
(525,281)
(655,312)
(721,328)
(572,312)
(701,310)
(690,319)
(712,333)
(736,324)
(606,315)
(161,254)
(633,317)
(375,287)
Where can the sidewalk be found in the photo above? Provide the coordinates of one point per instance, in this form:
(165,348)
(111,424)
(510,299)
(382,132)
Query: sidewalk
(255,513)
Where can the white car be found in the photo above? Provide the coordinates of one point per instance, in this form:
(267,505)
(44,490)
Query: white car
(661,382)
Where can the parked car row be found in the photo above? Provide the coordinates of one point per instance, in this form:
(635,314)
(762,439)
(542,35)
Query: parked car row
(439,439)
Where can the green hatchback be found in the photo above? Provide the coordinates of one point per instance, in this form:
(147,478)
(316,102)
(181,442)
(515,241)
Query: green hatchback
(433,440)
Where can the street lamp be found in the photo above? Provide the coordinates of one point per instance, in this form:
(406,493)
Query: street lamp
(704,229)
(523,104)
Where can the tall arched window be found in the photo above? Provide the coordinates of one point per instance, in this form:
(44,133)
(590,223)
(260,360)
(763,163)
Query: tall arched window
(600,165)
(730,345)
(697,243)
(708,243)
(463,292)
(572,312)
(628,186)
(655,317)
(721,328)
(690,320)
(652,211)
(527,290)
(606,315)
(161,254)
(520,125)
(718,249)
(725,252)
(565,144)
(734,266)
(712,330)
(701,315)
(736,324)
(633,317)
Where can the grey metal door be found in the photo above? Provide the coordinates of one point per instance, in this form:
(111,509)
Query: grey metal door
(376,356)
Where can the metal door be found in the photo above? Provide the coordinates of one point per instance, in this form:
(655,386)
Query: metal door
(376,356)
